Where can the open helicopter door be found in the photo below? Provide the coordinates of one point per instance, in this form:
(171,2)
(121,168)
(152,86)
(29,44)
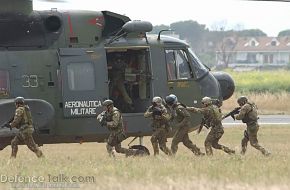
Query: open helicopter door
(84,81)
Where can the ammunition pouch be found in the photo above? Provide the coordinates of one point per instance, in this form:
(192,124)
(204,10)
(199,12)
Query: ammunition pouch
(118,137)
(248,120)
(23,127)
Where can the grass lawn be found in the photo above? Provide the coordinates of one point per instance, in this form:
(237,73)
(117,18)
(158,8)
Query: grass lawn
(89,165)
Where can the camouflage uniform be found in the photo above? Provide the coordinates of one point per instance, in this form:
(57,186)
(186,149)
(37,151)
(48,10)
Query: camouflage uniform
(23,121)
(212,116)
(182,116)
(117,133)
(249,115)
(160,129)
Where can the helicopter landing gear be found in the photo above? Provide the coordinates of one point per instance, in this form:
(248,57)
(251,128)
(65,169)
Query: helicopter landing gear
(142,149)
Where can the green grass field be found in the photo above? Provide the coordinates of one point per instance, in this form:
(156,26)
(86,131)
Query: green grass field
(93,169)
(262,81)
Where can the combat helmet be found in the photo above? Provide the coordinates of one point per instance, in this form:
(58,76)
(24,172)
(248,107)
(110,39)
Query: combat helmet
(171,99)
(107,102)
(242,100)
(206,101)
(157,100)
(19,100)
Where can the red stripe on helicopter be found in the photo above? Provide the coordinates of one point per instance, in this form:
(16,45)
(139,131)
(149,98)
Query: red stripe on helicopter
(98,21)
(71,33)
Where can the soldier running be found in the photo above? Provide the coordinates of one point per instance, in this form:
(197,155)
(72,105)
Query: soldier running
(112,118)
(182,116)
(249,115)
(212,119)
(23,121)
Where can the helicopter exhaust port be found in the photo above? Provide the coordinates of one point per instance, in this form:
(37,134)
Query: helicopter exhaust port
(52,23)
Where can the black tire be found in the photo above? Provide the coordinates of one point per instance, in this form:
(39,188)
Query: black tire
(142,148)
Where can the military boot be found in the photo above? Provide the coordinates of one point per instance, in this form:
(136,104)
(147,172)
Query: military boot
(155,149)
(228,150)
(39,154)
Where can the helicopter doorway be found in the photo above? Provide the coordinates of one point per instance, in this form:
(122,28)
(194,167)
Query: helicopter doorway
(129,79)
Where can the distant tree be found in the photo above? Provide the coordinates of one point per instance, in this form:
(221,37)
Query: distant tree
(226,44)
(251,33)
(158,28)
(191,31)
(284,33)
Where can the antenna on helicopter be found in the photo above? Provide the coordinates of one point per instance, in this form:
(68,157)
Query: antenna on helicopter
(55,1)
(161,32)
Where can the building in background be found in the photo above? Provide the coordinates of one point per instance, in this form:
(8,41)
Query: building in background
(254,52)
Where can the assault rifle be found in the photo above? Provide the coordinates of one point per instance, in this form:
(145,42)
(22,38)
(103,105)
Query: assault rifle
(233,113)
(156,112)
(7,124)
(202,124)
(102,118)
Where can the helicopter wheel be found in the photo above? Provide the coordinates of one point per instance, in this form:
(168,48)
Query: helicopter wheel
(142,148)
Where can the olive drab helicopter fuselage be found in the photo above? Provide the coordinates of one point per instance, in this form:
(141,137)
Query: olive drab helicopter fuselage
(61,63)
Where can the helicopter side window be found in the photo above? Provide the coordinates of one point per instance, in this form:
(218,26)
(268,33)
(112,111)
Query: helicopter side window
(171,65)
(177,65)
(4,83)
(81,76)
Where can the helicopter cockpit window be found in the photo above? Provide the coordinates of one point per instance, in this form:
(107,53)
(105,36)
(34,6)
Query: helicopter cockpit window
(81,76)
(4,83)
(198,68)
(177,65)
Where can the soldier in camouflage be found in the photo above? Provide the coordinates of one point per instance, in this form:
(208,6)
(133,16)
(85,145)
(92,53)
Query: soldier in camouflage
(249,115)
(118,78)
(213,119)
(111,118)
(182,116)
(23,121)
(160,125)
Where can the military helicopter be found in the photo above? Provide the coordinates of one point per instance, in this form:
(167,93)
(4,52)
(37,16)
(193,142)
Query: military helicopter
(61,63)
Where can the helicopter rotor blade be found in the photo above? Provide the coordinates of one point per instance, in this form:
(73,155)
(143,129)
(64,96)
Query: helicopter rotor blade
(270,0)
(54,1)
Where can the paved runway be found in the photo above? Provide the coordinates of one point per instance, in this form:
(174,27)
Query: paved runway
(263,119)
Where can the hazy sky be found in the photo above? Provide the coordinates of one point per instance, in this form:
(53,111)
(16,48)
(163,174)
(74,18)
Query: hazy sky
(270,17)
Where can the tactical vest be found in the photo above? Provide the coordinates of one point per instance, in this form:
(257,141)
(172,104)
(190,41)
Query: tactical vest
(214,116)
(26,121)
(109,116)
(252,115)
(159,123)
(27,115)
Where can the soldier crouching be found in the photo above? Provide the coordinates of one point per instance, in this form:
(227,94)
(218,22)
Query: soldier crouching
(112,118)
